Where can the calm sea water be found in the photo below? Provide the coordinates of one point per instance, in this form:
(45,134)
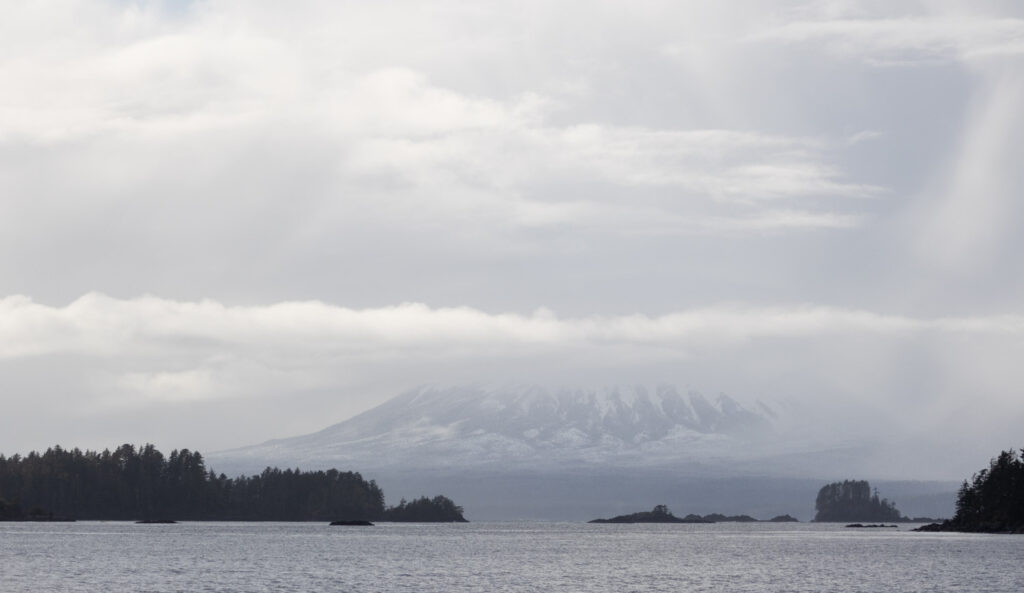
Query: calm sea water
(493,557)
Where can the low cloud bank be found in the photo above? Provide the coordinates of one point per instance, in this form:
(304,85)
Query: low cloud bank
(97,325)
(227,375)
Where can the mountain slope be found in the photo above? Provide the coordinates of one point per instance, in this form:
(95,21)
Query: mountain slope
(526,426)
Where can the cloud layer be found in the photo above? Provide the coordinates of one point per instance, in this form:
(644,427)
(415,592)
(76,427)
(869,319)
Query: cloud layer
(808,201)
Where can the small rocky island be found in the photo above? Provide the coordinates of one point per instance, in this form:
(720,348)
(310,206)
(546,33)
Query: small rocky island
(787,518)
(660,514)
(853,500)
(720,518)
(439,509)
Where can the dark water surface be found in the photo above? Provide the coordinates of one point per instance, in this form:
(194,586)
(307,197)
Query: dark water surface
(307,557)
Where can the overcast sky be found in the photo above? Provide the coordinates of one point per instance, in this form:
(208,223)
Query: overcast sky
(223,222)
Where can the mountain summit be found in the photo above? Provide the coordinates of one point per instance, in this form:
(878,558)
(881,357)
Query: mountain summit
(525,427)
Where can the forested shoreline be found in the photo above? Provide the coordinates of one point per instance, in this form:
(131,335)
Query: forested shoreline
(141,483)
(992,501)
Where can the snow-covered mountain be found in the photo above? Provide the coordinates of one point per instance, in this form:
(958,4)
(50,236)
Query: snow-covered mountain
(526,427)
(572,454)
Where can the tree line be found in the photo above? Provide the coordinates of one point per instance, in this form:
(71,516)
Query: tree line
(132,483)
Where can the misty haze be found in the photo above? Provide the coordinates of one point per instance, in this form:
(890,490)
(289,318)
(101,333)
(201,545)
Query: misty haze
(481,296)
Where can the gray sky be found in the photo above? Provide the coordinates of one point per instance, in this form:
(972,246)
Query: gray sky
(222,222)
